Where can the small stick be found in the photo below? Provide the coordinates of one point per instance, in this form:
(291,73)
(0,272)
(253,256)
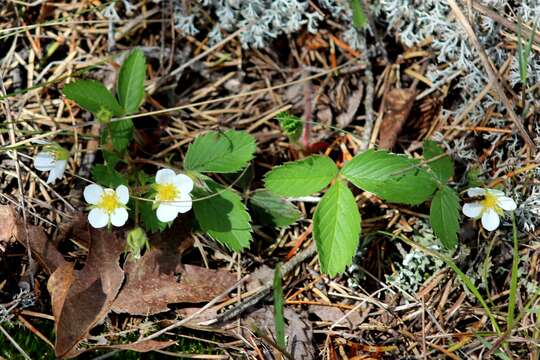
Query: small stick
(493,76)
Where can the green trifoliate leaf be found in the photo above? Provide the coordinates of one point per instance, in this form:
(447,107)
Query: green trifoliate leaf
(93,96)
(219,152)
(291,125)
(223,216)
(443,167)
(336,228)
(273,210)
(302,177)
(121,133)
(392,177)
(130,87)
(444,216)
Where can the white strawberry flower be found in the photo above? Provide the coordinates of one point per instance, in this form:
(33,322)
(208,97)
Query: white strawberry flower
(52,158)
(107,206)
(172,194)
(490,208)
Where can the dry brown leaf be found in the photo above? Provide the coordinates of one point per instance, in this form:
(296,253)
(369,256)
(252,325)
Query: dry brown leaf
(143,346)
(159,279)
(398,105)
(79,306)
(298,330)
(333,314)
(299,336)
(353,103)
(12,227)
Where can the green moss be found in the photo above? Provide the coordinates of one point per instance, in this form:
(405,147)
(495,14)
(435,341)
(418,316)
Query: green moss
(28,341)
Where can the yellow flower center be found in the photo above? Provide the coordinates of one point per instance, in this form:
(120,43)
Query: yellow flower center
(109,202)
(166,192)
(490,202)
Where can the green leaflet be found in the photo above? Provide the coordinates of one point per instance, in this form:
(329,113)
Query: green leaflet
(130,86)
(223,216)
(93,96)
(302,177)
(274,210)
(392,177)
(444,216)
(443,168)
(336,228)
(219,152)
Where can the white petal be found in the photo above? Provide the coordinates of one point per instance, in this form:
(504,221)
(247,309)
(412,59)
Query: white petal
(166,212)
(184,203)
(123,194)
(495,192)
(98,218)
(476,191)
(472,210)
(164,176)
(184,183)
(119,217)
(92,193)
(490,220)
(506,203)
(57,172)
(44,161)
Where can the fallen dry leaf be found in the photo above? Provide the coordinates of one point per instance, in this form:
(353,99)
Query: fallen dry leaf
(353,103)
(81,299)
(159,279)
(13,227)
(334,314)
(298,331)
(143,346)
(398,105)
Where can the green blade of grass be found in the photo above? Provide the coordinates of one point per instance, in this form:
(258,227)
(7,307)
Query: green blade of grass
(514,279)
(279,318)
(461,275)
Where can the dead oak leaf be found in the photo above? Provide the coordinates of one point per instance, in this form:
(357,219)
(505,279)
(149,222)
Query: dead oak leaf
(159,279)
(81,299)
(12,227)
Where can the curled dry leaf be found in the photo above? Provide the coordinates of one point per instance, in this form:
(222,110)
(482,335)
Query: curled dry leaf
(398,105)
(12,228)
(81,299)
(159,279)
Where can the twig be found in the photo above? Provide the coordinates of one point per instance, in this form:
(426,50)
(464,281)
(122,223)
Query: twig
(493,76)
(265,289)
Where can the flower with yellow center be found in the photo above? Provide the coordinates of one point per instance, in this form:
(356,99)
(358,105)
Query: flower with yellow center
(52,158)
(492,205)
(108,206)
(172,194)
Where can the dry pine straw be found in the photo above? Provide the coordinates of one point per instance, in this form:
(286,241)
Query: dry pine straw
(377,319)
